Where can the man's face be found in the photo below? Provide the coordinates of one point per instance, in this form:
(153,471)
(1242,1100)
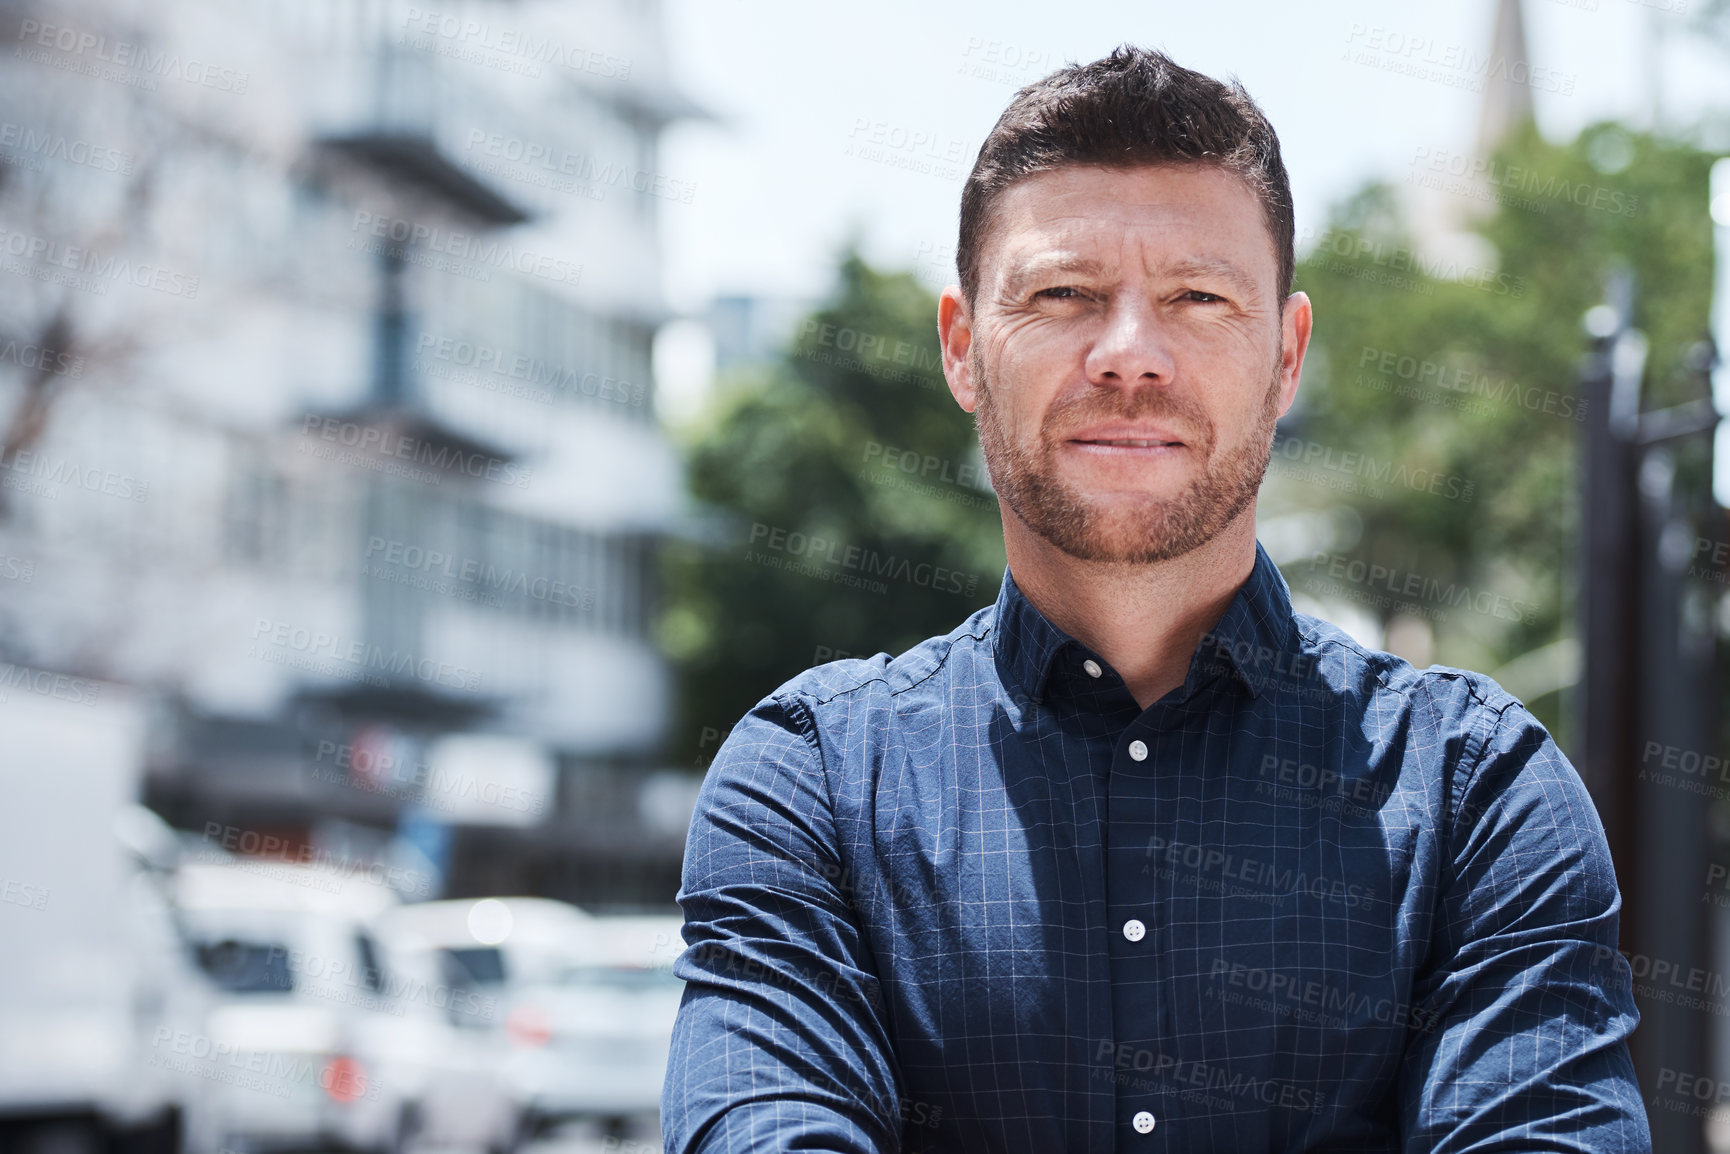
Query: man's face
(1127,356)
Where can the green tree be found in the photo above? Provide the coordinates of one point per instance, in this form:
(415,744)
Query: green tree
(1468,370)
(846,506)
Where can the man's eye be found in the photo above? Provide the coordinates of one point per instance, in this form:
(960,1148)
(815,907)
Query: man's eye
(1062,292)
(1204,297)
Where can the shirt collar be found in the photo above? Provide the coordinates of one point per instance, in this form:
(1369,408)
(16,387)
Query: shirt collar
(1256,640)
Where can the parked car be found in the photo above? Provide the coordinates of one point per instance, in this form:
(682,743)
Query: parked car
(586,1003)
(321,1036)
(489,944)
(593,1034)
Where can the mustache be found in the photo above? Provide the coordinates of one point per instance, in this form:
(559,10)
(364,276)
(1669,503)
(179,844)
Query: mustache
(1185,417)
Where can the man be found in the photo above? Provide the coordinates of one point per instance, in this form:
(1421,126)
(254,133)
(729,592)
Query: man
(1138,858)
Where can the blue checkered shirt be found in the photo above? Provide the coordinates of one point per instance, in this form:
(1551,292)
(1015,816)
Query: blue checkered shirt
(975,898)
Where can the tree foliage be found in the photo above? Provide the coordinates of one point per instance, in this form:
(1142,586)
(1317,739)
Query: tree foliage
(846,507)
(1483,380)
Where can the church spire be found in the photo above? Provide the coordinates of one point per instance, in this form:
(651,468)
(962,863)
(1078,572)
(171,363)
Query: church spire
(1507,95)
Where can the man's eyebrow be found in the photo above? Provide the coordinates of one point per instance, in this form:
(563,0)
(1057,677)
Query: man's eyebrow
(1039,267)
(1204,267)
(1047,265)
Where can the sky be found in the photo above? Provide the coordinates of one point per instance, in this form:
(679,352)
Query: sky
(838,119)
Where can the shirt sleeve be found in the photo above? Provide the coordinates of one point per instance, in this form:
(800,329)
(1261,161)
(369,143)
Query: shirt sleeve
(781,1040)
(1521,1018)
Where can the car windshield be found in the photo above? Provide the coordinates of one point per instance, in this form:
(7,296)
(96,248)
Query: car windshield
(244,967)
(477,966)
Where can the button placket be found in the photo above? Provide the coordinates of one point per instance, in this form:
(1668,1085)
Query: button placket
(1140,953)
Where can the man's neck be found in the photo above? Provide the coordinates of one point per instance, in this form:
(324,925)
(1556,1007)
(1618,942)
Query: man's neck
(1146,620)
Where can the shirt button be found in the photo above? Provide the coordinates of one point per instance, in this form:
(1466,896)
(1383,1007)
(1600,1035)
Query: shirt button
(1092,667)
(1138,750)
(1143,1122)
(1134,930)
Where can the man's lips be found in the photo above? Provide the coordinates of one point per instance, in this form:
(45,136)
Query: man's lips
(1127,438)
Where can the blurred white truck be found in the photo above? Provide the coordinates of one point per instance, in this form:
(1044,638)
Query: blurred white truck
(91,970)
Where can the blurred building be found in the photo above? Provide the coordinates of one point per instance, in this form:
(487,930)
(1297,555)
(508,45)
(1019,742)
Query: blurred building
(360,475)
(755,330)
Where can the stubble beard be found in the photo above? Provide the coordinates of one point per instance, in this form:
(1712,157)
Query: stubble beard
(1146,529)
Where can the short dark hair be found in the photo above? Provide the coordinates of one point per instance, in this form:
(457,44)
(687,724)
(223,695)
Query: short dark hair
(1134,107)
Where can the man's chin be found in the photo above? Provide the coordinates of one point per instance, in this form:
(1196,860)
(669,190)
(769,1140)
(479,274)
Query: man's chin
(1138,530)
(1131,511)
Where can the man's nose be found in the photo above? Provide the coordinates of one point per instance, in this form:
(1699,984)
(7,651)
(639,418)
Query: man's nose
(1133,347)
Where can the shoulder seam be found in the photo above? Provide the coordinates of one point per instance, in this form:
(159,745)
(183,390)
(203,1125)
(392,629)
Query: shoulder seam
(1347,644)
(935,669)
(801,713)
(1456,785)
(1484,733)
(1423,674)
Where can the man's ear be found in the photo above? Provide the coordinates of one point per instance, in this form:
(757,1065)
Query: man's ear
(955,335)
(1296,319)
